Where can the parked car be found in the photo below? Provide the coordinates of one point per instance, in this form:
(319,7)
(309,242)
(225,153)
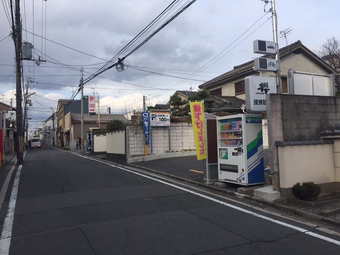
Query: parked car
(35,143)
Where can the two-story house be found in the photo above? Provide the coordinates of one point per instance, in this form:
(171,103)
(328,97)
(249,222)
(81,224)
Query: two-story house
(295,56)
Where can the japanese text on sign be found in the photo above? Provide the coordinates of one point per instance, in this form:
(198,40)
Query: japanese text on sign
(197,117)
(146,127)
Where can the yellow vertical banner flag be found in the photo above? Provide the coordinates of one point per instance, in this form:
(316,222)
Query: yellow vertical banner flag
(197,118)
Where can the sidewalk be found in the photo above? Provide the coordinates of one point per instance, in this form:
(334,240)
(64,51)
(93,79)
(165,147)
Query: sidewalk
(326,208)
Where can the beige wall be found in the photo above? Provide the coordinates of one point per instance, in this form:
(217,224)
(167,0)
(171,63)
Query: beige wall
(99,144)
(337,158)
(68,122)
(301,63)
(306,163)
(115,143)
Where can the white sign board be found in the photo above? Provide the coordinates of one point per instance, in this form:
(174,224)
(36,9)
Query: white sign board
(265,64)
(160,119)
(92,104)
(264,47)
(257,88)
(310,84)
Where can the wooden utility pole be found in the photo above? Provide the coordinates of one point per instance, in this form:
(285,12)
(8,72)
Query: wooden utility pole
(19,145)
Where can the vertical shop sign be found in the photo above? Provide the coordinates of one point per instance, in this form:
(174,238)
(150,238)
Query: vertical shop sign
(146,127)
(92,104)
(197,117)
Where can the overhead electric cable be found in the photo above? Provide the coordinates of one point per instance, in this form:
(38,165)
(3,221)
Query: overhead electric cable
(120,60)
(4,38)
(7,13)
(218,56)
(65,46)
(162,74)
(169,7)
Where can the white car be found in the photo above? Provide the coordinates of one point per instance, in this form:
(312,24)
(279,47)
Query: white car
(35,143)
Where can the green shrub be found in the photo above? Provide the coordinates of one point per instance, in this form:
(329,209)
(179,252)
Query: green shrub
(115,125)
(307,191)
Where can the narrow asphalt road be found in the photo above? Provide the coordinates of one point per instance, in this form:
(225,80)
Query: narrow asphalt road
(61,203)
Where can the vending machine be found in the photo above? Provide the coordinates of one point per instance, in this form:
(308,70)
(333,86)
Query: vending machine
(240,149)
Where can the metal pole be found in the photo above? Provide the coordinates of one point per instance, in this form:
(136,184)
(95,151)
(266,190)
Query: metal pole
(277,55)
(207,181)
(82,114)
(98,111)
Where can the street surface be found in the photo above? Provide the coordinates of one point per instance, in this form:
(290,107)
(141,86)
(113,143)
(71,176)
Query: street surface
(59,202)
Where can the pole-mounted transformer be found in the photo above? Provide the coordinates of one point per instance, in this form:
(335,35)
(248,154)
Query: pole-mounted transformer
(26,49)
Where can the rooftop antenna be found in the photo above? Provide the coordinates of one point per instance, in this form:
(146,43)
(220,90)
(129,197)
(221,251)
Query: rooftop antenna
(284,34)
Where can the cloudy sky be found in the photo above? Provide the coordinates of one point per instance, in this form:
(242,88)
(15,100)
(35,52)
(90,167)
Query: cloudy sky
(207,39)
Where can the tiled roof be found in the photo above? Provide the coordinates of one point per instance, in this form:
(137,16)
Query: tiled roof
(187,93)
(227,103)
(162,106)
(103,117)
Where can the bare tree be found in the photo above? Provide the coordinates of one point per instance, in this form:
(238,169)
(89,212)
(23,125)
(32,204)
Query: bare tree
(330,52)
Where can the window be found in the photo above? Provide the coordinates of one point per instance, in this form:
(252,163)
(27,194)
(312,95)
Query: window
(239,88)
(284,85)
(216,92)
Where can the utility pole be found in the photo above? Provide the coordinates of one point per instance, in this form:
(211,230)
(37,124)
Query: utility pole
(82,112)
(98,111)
(276,41)
(19,145)
(53,128)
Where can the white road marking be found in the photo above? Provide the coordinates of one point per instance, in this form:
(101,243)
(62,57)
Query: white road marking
(302,230)
(6,234)
(5,186)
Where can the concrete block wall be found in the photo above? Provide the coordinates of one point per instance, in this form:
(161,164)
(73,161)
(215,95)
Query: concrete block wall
(303,117)
(181,135)
(135,140)
(160,139)
(297,118)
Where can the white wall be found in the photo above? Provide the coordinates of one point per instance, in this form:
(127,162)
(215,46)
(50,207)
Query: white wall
(99,144)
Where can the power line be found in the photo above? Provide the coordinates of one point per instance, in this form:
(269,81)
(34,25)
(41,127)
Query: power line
(162,74)
(112,64)
(222,53)
(7,12)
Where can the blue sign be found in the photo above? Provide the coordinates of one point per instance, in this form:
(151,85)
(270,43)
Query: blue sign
(89,141)
(146,126)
